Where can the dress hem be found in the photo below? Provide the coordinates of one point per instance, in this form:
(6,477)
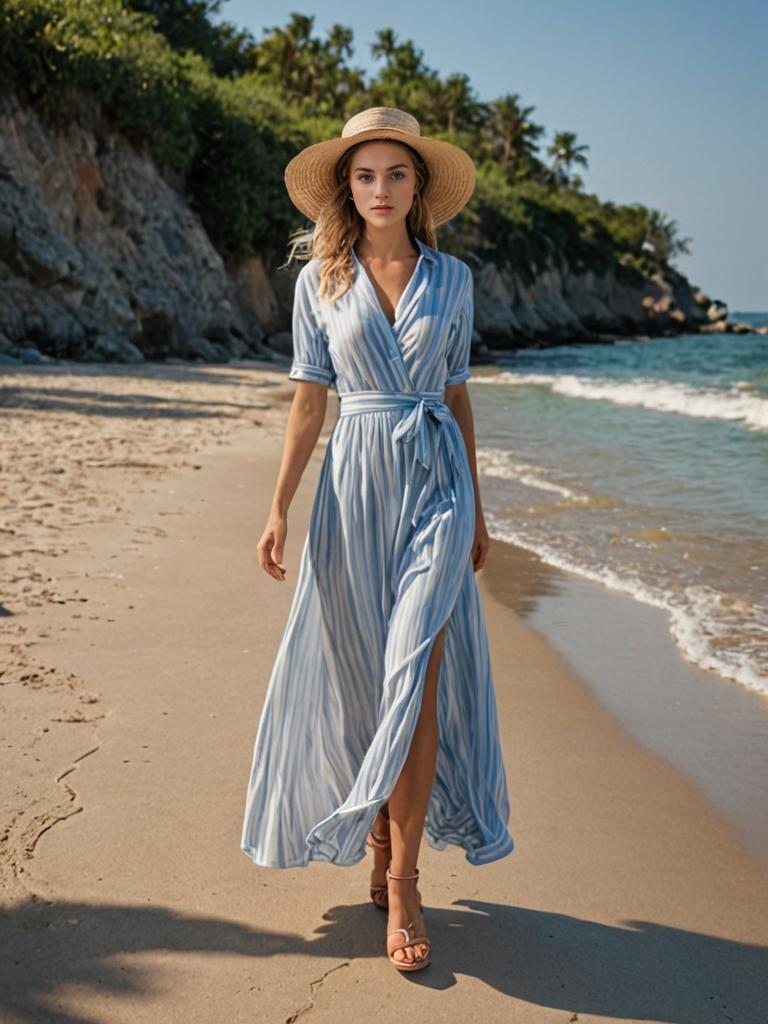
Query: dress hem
(475,856)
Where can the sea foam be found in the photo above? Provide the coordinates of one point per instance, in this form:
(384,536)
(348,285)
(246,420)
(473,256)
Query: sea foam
(737,403)
(710,630)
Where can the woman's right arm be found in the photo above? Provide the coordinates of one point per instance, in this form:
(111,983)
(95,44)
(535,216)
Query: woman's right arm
(302,429)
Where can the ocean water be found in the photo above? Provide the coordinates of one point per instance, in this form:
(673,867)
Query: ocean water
(642,465)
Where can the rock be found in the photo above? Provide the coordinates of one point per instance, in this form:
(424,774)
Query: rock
(32,355)
(207,351)
(219,332)
(115,349)
(740,328)
(93,236)
(237,347)
(688,311)
(255,297)
(281,343)
(7,347)
(717,311)
(565,305)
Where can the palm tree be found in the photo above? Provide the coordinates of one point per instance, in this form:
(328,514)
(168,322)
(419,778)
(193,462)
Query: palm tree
(510,134)
(405,80)
(662,236)
(304,66)
(565,153)
(456,101)
(285,55)
(385,45)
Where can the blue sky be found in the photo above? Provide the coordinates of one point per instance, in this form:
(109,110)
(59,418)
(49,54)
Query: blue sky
(672,99)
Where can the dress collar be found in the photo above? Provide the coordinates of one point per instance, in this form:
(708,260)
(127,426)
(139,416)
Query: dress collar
(427,253)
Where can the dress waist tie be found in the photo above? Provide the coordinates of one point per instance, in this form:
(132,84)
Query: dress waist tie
(425,407)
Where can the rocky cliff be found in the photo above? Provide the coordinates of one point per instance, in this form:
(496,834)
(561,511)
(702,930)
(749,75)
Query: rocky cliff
(101,259)
(563,305)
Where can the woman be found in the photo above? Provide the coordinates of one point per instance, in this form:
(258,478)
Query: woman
(357,742)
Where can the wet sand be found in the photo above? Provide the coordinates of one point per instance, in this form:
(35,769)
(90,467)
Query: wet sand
(138,635)
(713,730)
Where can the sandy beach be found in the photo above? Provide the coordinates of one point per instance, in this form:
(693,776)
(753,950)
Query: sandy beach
(137,639)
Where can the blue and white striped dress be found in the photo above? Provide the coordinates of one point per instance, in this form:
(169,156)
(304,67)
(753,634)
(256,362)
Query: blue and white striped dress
(386,562)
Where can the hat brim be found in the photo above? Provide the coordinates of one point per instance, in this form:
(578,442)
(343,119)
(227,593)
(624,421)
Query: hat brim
(309,176)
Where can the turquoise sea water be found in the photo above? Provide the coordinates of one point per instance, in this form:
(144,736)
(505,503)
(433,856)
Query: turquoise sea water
(642,464)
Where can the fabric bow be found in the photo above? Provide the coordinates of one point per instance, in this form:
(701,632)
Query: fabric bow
(414,427)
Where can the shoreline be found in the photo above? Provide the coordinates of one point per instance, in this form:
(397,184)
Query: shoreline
(628,897)
(485,357)
(709,728)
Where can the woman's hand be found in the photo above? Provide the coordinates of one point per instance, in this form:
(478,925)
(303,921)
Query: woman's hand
(302,429)
(457,400)
(481,544)
(271,546)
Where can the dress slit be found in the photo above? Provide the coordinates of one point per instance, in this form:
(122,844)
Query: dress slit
(437,694)
(420,687)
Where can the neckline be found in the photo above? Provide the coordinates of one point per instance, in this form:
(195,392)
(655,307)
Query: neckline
(372,290)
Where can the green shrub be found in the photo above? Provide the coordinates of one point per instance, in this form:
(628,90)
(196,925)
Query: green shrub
(228,136)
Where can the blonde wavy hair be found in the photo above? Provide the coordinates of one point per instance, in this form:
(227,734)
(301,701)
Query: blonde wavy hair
(339,226)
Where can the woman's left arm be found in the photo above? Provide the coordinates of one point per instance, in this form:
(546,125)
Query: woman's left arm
(457,400)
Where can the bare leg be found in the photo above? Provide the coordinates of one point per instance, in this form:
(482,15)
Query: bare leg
(408,807)
(380,856)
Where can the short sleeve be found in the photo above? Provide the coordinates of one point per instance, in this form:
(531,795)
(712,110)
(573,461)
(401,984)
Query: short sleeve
(311,358)
(460,335)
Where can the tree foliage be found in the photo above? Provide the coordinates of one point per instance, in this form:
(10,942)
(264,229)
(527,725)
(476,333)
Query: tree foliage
(225,112)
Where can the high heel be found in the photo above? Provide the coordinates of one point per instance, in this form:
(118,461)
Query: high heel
(410,940)
(379,895)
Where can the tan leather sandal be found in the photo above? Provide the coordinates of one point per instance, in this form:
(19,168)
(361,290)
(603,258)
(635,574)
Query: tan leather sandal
(410,939)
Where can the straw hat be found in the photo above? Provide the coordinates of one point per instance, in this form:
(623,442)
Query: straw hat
(310,180)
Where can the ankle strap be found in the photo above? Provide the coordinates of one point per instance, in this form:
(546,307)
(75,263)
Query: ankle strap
(414,875)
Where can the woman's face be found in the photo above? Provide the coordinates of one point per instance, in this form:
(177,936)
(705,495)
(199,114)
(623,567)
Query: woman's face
(382,180)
